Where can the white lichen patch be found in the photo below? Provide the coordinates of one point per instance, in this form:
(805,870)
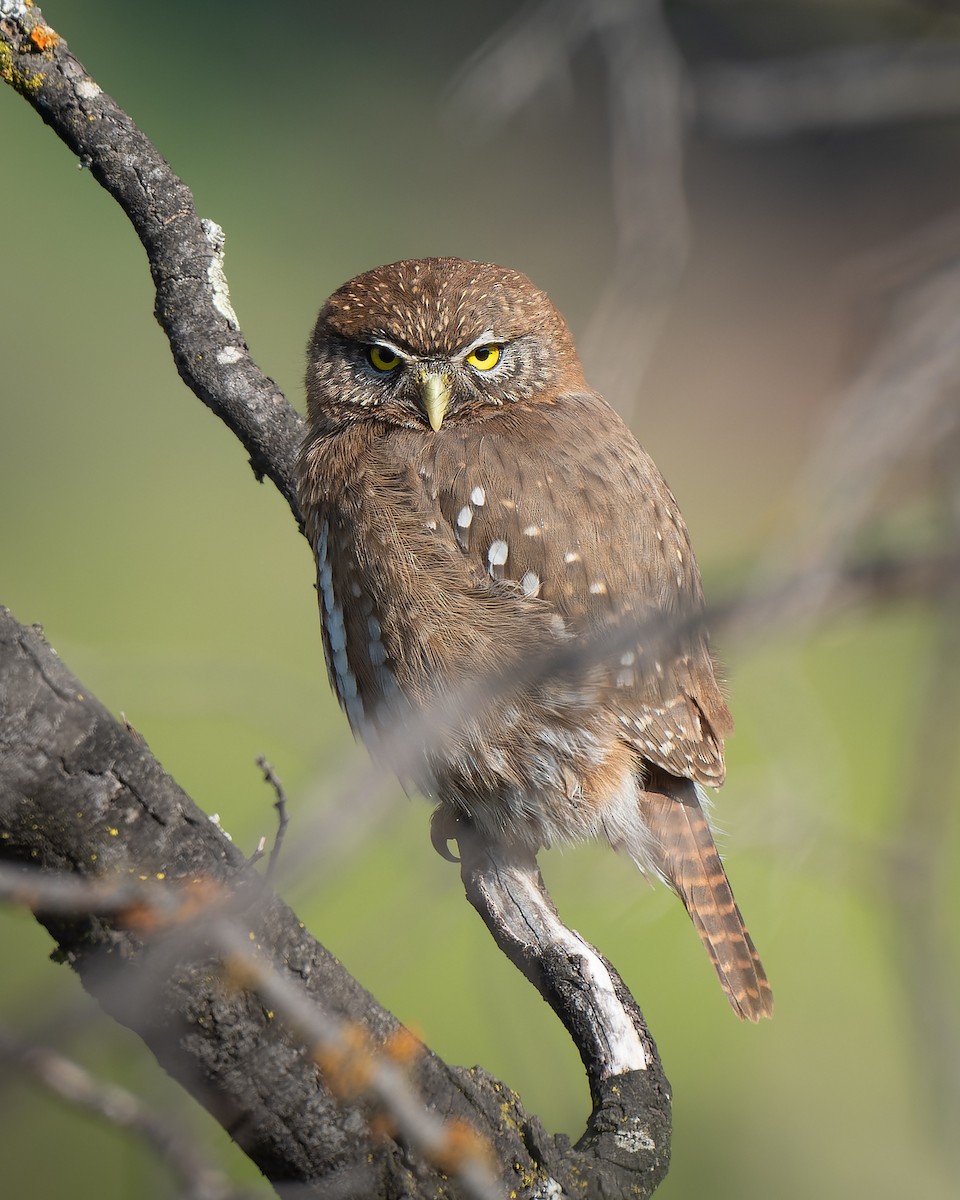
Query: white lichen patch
(219,291)
(633,1136)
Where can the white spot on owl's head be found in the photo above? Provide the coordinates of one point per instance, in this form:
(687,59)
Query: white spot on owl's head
(478,496)
(497,554)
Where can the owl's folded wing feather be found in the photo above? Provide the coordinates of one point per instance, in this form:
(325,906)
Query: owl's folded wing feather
(597,536)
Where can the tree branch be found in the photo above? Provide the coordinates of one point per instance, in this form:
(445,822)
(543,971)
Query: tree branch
(80,793)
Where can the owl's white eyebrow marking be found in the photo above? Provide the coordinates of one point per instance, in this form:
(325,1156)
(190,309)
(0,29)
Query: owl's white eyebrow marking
(478,497)
(484,339)
(379,341)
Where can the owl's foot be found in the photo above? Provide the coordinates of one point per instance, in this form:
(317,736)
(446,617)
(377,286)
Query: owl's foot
(444,829)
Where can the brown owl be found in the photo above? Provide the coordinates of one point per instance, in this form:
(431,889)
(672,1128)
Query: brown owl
(498,560)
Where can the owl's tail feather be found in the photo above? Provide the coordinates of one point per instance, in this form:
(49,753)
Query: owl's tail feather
(683,851)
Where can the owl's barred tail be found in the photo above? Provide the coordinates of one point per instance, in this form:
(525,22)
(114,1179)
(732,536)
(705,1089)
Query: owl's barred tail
(684,852)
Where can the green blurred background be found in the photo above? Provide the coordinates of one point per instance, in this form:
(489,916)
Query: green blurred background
(323,139)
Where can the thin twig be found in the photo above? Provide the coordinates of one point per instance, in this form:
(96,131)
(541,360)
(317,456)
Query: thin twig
(198,1179)
(280,804)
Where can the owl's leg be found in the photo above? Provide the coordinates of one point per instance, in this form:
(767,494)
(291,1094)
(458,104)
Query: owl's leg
(681,847)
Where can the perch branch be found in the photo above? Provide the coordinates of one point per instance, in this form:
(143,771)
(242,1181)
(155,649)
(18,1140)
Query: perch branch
(194,310)
(81,795)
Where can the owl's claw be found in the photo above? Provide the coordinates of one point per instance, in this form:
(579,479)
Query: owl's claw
(443,830)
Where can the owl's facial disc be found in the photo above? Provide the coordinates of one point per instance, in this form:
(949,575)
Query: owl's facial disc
(436,383)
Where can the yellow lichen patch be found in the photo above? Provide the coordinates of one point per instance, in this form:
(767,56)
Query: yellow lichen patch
(24,82)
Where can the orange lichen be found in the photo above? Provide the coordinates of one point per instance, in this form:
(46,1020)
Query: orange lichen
(44,38)
(403,1046)
(461,1144)
(193,897)
(347,1066)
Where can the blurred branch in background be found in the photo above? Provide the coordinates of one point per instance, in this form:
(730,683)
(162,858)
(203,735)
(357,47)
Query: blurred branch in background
(644,82)
(922,854)
(887,473)
(197,1178)
(830,89)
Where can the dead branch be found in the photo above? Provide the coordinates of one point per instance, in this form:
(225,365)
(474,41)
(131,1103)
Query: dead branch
(64,754)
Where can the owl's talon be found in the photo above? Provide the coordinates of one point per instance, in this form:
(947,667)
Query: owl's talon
(443,831)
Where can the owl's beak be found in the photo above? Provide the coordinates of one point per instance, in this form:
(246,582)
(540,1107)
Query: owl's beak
(435,392)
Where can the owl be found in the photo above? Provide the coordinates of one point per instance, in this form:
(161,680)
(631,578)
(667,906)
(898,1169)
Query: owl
(510,605)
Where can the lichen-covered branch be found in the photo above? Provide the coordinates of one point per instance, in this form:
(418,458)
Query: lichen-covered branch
(80,793)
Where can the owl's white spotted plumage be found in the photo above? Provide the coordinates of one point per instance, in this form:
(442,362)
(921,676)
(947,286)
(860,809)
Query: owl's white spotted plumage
(479,515)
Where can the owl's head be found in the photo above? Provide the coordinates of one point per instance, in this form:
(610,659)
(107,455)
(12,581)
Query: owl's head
(437,341)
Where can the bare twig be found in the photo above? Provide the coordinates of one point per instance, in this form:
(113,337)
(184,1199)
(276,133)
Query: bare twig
(198,1179)
(280,804)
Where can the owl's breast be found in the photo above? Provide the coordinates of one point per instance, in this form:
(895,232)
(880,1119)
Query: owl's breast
(406,614)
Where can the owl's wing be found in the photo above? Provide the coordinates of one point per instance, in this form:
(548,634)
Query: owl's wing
(560,502)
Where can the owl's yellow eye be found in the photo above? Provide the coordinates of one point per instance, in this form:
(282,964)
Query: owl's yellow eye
(382,358)
(484,358)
